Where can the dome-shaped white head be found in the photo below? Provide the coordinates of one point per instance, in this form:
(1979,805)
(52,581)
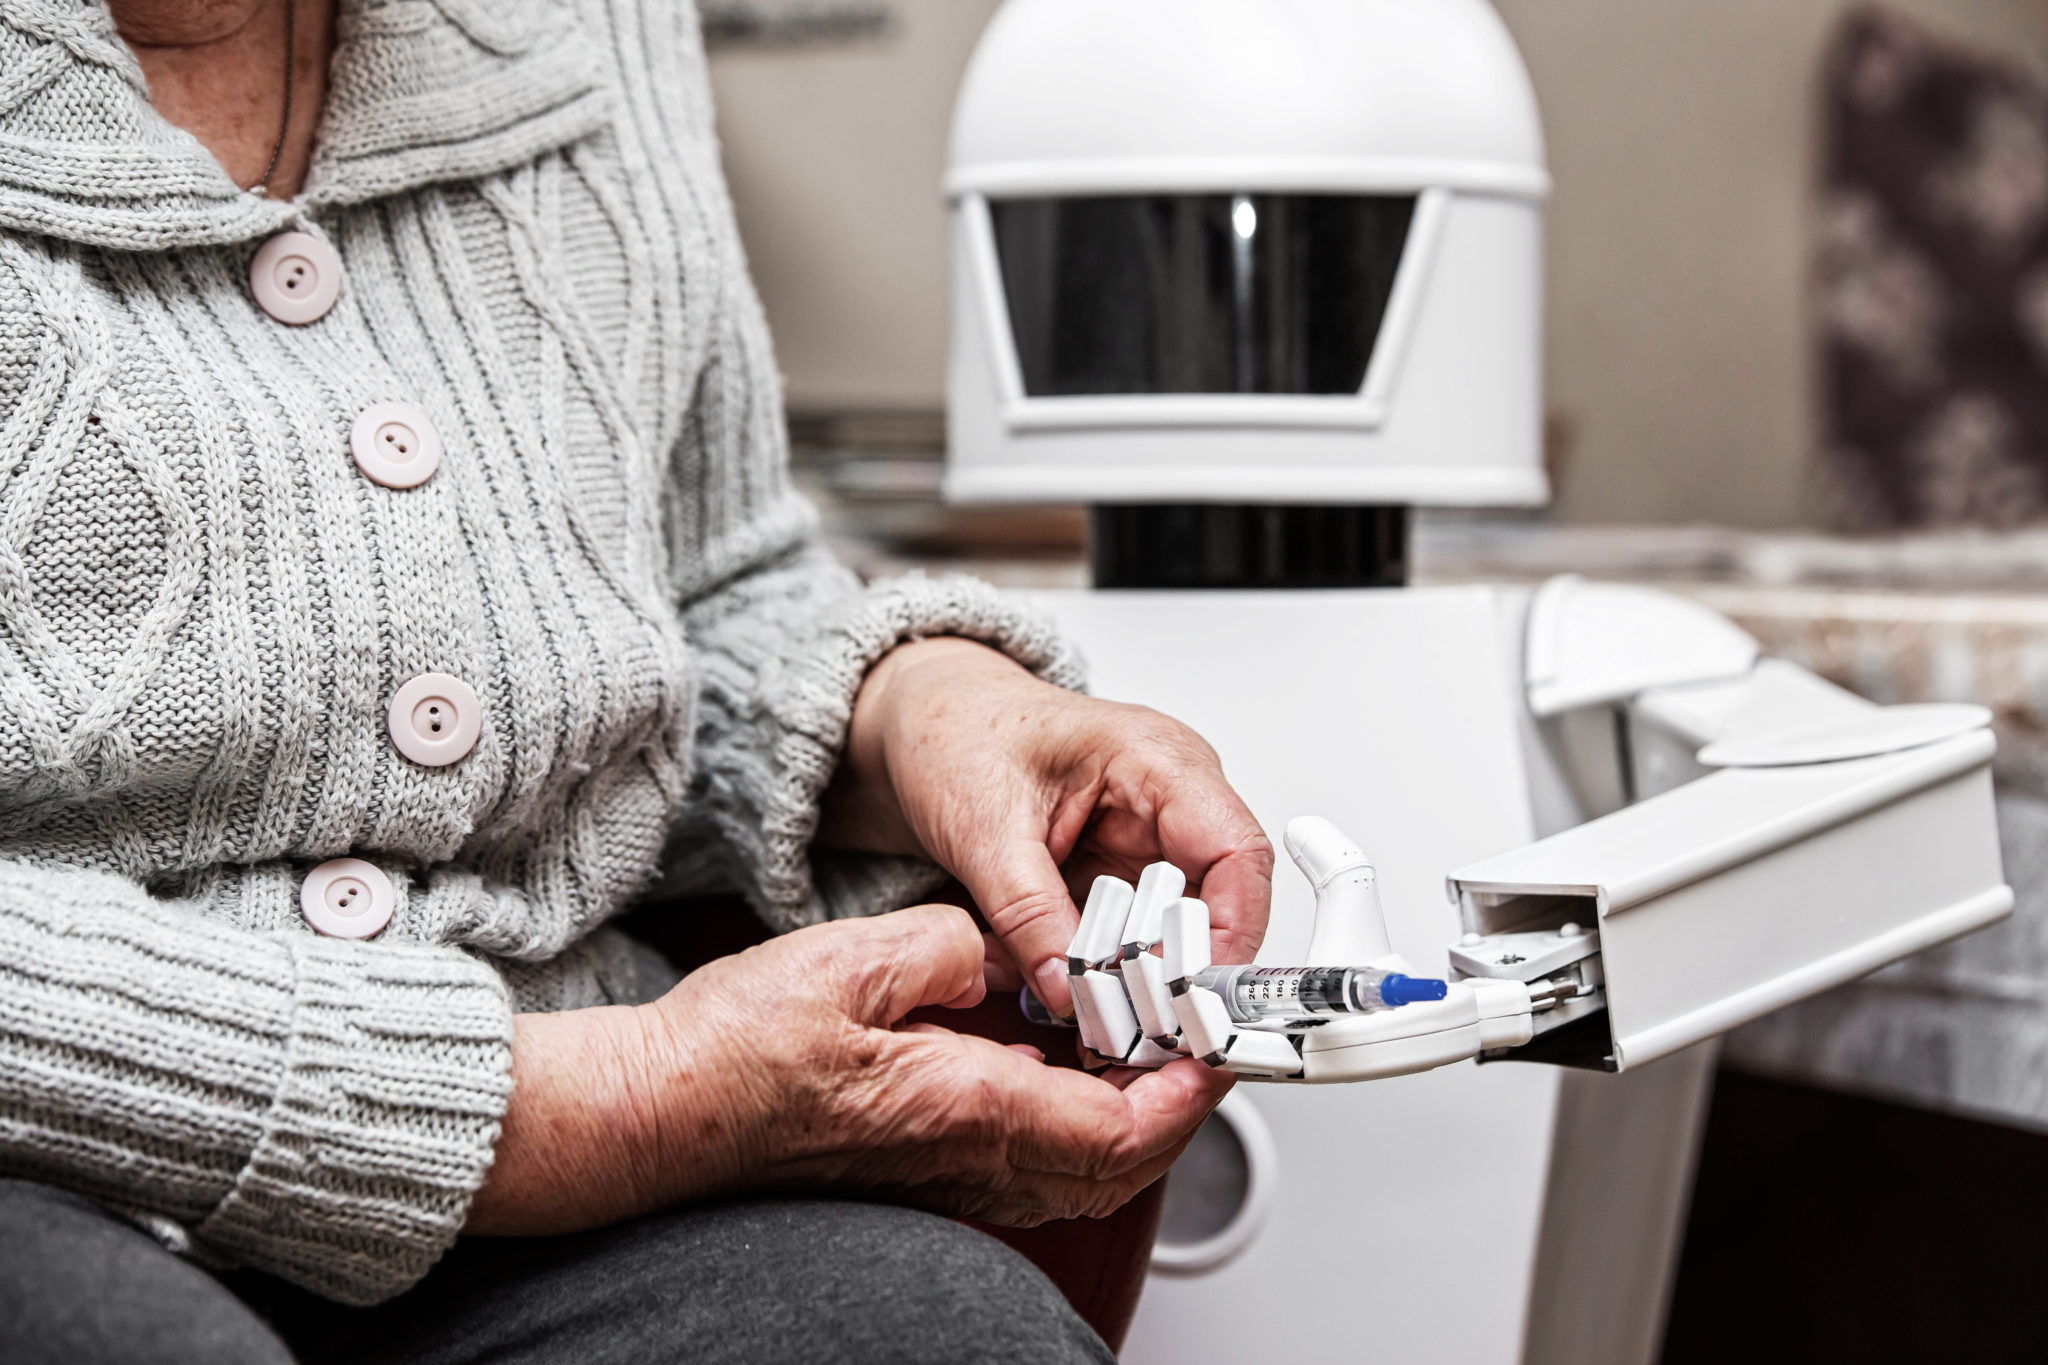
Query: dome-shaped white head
(1253,251)
(1064,95)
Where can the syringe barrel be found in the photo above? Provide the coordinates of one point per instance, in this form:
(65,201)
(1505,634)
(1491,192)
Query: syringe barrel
(1256,993)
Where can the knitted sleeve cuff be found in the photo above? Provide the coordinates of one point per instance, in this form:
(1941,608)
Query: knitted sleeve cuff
(319,1109)
(397,1073)
(768,753)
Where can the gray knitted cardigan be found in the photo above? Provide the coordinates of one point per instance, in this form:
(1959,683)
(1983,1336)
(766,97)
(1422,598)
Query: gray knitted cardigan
(205,609)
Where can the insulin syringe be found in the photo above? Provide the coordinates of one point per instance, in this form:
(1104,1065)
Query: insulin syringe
(1253,994)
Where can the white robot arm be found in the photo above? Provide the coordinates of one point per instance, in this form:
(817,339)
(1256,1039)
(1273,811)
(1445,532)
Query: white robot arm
(1767,836)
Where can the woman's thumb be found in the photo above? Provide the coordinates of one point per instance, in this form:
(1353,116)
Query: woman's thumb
(908,959)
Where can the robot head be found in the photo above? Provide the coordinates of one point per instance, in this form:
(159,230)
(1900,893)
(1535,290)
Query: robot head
(1246,251)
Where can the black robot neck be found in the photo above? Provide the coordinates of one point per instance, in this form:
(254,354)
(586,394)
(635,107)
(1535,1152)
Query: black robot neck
(1247,545)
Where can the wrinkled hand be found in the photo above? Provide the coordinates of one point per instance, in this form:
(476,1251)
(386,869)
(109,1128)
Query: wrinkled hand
(784,1068)
(1027,792)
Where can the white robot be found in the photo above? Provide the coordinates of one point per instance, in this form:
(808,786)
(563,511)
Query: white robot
(1252,280)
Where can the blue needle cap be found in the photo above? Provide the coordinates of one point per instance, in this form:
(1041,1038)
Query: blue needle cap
(1396,989)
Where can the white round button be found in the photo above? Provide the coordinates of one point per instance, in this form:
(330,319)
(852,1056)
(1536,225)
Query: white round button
(295,277)
(396,445)
(435,719)
(347,898)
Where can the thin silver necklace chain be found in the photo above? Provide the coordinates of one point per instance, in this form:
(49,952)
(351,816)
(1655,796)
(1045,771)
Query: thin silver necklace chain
(291,63)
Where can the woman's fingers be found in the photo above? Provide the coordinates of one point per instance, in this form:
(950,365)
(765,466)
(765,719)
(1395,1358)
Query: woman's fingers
(1164,797)
(998,969)
(882,968)
(1064,1122)
(1052,1120)
(1070,1144)
(1238,889)
(1025,1050)
(1207,831)
(1167,1110)
(1038,1197)
(1167,1097)
(1024,898)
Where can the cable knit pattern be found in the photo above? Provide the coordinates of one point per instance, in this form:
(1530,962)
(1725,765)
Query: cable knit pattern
(785,705)
(205,609)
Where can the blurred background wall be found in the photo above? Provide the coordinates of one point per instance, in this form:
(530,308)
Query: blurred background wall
(1684,137)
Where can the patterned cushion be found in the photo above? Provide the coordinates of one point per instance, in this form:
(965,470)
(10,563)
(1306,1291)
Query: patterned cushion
(1932,274)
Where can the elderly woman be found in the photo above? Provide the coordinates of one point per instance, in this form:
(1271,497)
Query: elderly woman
(398,571)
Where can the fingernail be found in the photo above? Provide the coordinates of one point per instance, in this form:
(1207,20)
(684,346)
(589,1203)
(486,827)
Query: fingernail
(1047,980)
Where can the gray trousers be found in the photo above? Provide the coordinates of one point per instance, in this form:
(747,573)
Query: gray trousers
(752,1283)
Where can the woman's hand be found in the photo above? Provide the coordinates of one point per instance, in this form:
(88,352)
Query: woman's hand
(782,1067)
(1026,792)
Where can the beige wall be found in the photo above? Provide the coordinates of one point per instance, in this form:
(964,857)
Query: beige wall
(1682,139)
(835,156)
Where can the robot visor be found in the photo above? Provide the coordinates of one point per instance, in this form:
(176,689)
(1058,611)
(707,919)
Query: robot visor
(1198,293)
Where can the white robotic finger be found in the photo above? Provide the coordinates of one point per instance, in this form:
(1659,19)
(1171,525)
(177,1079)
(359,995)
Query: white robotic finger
(1254,1053)
(1184,938)
(1151,1056)
(1158,887)
(1102,925)
(1088,1019)
(1204,1024)
(1349,925)
(1108,1027)
(1145,979)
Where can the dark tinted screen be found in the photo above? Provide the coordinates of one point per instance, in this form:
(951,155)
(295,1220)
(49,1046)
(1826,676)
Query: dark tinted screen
(1208,293)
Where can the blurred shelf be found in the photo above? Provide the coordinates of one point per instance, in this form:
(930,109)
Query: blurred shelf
(1465,547)
(875,477)
(791,23)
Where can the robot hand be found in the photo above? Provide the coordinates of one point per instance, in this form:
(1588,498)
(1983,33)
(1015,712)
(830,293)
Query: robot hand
(1138,1008)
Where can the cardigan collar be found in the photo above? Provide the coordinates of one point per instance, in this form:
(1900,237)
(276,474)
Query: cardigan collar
(420,92)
